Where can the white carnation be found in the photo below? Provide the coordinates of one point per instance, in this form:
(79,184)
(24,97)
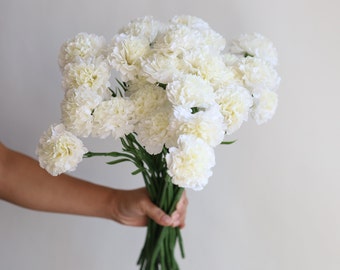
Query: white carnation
(208,37)
(190,164)
(265,104)
(126,53)
(152,131)
(177,39)
(207,125)
(146,26)
(255,45)
(94,75)
(257,73)
(115,117)
(159,68)
(230,59)
(83,46)
(77,108)
(147,99)
(190,91)
(235,102)
(208,66)
(59,150)
(190,21)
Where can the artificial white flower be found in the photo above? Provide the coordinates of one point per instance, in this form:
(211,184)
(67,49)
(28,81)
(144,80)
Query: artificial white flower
(177,39)
(190,91)
(59,150)
(113,117)
(83,46)
(125,54)
(190,163)
(190,21)
(265,104)
(208,37)
(153,132)
(207,125)
(159,68)
(147,99)
(94,75)
(258,74)
(255,45)
(146,26)
(235,102)
(230,59)
(77,108)
(208,66)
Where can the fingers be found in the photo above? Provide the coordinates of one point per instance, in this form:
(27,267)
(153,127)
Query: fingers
(177,219)
(156,214)
(179,214)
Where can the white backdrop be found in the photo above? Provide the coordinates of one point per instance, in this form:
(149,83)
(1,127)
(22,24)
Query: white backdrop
(273,201)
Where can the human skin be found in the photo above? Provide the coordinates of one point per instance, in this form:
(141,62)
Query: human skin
(24,183)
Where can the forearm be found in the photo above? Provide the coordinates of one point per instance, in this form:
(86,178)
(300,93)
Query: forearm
(24,183)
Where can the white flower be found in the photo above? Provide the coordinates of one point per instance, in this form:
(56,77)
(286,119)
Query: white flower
(235,102)
(94,75)
(146,26)
(147,99)
(152,131)
(114,116)
(208,37)
(83,46)
(208,66)
(190,91)
(207,125)
(257,73)
(190,21)
(159,68)
(255,45)
(230,59)
(77,108)
(59,150)
(265,104)
(126,53)
(175,40)
(190,164)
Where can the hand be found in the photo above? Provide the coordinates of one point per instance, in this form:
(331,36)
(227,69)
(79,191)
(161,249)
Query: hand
(134,207)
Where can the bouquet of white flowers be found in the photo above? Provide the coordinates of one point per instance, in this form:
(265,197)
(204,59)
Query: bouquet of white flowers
(181,91)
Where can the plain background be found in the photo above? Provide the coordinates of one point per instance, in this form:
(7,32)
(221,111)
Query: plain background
(273,201)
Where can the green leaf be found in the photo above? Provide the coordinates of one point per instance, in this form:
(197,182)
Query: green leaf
(230,142)
(118,161)
(138,171)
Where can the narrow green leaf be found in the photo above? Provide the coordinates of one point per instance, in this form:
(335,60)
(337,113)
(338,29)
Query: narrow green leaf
(229,142)
(138,171)
(117,161)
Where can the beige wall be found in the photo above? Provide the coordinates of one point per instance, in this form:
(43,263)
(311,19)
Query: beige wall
(273,202)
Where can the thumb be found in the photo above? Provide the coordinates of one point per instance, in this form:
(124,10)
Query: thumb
(158,215)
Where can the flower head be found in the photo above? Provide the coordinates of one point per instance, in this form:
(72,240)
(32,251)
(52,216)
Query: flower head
(113,117)
(190,163)
(125,55)
(235,102)
(94,75)
(153,131)
(265,104)
(255,45)
(77,108)
(190,91)
(83,46)
(144,26)
(257,73)
(147,99)
(59,150)
(207,124)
